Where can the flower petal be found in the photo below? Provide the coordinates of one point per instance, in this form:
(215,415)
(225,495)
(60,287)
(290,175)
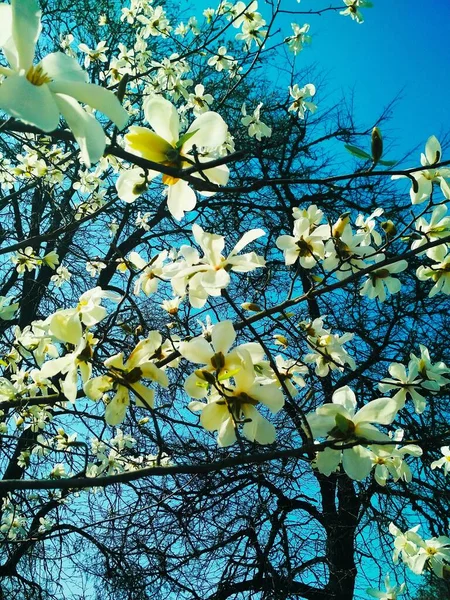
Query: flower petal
(95,96)
(210,131)
(26,28)
(6,21)
(86,129)
(357,462)
(223,336)
(180,199)
(163,118)
(143,142)
(60,67)
(33,104)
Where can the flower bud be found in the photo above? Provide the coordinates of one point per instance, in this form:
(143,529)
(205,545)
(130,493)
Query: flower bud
(251,306)
(377,145)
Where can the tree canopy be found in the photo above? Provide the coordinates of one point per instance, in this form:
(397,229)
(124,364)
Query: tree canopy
(223,312)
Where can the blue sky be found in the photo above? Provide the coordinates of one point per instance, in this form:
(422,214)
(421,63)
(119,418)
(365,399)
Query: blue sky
(402,47)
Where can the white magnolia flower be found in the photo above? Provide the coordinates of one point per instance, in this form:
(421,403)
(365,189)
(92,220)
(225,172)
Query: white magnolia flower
(235,403)
(434,553)
(210,274)
(302,98)
(423,186)
(125,378)
(353,7)
(150,272)
(96,54)
(66,324)
(439,272)
(389,461)
(437,228)
(38,94)
(444,462)
(338,421)
(305,244)
(392,591)
(69,364)
(381,279)
(199,101)
(256,128)
(408,384)
(221,61)
(345,252)
(300,37)
(164,145)
(328,352)
(216,357)
(366,226)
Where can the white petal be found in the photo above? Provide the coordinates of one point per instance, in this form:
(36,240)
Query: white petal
(86,129)
(246,239)
(6,21)
(381,411)
(163,118)
(197,351)
(34,104)
(223,336)
(180,199)
(328,461)
(95,96)
(60,67)
(26,28)
(213,415)
(259,429)
(357,462)
(346,398)
(433,150)
(211,130)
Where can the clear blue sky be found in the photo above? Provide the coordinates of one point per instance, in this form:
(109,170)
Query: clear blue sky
(402,47)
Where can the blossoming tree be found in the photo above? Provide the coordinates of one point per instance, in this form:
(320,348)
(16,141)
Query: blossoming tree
(223,359)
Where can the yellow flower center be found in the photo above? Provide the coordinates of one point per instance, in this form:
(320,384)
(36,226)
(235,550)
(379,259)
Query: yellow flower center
(37,76)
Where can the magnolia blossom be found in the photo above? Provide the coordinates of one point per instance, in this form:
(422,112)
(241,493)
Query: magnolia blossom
(444,462)
(125,378)
(38,94)
(301,98)
(353,7)
(345,252)
(151,272)
(306,244)
(300,37)
(408,384)
(69,364)
(328,352)
(235,402)
(164,145)
(66,324)
(215,357)
(437,228)
(256,128)
(366,226)
(439,272)
(381,279)
(423,186)
(339,422)
(434,552)
(209,275)
(389,461)
(392,591)
(221,61)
